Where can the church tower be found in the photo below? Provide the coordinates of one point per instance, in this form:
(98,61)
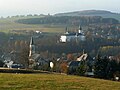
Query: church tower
(80,29)
(66,30)
(32,47)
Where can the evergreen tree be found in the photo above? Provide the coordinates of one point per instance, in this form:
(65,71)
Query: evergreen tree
(112,68)
(1,63)
(100,70)
(81,69)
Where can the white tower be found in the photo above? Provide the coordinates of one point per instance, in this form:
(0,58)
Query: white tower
(32,47)
(80,29)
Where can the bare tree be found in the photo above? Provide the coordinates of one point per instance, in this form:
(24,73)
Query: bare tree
(24,54)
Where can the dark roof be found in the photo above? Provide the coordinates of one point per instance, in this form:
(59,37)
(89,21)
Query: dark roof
(79,34)
(70,34)
(35,56)
(90,58)
(80,28)
(73,34)
(74,63)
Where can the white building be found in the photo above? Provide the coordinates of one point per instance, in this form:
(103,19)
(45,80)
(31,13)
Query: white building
(67,37)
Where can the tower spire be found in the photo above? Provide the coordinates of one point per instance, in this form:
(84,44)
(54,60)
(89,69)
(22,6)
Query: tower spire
(66,29)
(80,28)
(31,41)
(32,47)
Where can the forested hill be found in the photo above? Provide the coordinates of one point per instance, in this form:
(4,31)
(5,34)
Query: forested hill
(102,13)
(71,20)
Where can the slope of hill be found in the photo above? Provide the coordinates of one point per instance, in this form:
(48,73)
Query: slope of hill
(71,20)
(9,24)
(54,82)
(103,13)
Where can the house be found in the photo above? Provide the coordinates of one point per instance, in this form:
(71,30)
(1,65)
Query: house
(68,37)
(11,64)
(12,59)
(89,62)
(72,67)
(8,63)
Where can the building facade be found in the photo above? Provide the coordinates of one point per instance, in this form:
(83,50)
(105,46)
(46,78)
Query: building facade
(68,37)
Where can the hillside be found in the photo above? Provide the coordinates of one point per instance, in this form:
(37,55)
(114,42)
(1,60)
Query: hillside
(53,23)
(103,13)
(9,24)
(69,20)
(53,82)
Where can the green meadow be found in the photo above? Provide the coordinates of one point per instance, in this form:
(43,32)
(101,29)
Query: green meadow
(9,24)
(54,82)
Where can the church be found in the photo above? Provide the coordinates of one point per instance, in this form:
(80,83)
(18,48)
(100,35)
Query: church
(35,61)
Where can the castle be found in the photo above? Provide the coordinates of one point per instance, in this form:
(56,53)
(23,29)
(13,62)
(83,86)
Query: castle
(68,37)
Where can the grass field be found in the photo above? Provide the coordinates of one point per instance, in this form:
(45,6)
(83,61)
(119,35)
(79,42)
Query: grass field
(8,24)
(53,82)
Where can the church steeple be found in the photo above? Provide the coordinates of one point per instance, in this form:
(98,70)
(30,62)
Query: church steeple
(66,30)
(31,41)
(80,28)
(32,47)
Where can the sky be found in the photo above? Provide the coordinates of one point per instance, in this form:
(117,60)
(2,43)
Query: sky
(24,7)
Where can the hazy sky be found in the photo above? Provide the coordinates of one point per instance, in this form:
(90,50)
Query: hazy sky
(24,7)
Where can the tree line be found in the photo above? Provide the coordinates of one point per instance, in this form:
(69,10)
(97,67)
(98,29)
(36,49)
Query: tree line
(103,68)
(69,20)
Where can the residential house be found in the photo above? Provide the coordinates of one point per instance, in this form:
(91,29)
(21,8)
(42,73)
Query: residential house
(89,62)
